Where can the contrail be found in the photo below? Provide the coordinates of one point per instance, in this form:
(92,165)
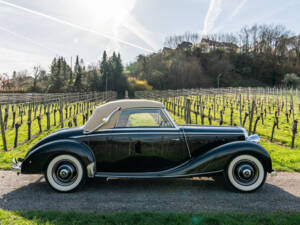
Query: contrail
(212,14)
(238,8)
(29,40)
(74,25)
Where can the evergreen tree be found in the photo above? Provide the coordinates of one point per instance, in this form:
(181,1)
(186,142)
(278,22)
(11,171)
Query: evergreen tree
(104,71)
(56,83)
(78,76)
(94,83)
(121,84)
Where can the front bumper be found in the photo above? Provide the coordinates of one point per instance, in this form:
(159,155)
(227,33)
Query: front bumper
(16,164)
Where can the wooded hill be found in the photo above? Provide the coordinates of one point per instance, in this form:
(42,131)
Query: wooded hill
(256,56)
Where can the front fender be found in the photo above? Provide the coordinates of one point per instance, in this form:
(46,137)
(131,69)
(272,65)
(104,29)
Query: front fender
(37,160)
(218,158)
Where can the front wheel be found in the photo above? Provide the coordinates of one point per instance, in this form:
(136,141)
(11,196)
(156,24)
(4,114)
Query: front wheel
(65,173)
(245,173)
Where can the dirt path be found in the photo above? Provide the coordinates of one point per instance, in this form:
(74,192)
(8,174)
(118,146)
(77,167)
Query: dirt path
(31,192)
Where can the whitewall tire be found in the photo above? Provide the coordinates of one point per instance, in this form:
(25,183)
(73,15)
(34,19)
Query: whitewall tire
(245,173)
(65,173)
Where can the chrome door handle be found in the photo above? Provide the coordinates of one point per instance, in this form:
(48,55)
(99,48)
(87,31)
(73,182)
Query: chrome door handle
(176,139)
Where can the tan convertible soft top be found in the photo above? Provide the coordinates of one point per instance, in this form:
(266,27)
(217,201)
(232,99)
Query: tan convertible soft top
(105,109)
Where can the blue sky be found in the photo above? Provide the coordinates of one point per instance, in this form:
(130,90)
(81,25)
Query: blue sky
(32,32)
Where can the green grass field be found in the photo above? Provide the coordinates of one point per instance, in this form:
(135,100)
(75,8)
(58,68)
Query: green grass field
(147,218)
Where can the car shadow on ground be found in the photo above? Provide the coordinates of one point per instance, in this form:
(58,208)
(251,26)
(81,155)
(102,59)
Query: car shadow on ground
(170,195)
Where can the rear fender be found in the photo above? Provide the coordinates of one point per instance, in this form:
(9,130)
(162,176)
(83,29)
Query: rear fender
(37,160)
(218,158)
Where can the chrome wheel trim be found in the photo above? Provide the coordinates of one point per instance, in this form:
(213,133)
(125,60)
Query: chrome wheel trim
(63,163)
(245,172)
(64,172)
(242,163)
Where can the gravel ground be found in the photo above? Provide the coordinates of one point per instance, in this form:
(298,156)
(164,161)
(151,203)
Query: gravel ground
(30,192)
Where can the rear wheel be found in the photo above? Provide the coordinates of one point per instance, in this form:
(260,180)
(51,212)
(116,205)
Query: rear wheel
(245,173)
(65,173)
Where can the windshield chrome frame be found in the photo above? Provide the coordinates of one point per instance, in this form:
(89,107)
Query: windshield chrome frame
(162,110)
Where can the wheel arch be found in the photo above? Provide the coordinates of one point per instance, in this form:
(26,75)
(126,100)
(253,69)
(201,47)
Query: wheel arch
(37,160)
(218,158)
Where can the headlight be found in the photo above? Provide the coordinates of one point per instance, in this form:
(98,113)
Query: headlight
(254,138)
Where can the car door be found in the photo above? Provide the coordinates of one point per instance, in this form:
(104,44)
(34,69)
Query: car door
(144,140)
(150,139)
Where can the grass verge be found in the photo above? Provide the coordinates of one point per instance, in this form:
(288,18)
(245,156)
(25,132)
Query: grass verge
(56,218)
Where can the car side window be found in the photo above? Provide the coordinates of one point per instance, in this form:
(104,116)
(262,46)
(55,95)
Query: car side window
(143,118)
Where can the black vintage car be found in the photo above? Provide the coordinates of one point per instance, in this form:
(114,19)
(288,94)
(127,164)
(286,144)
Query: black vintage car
(139,139)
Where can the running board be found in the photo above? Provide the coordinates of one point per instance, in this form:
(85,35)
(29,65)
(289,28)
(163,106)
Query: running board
(147,175)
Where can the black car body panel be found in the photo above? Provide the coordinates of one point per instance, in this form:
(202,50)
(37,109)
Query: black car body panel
(205,138)
(38,158)
(147,152)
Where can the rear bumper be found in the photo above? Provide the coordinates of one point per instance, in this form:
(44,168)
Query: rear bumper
(16,164)
(273,173)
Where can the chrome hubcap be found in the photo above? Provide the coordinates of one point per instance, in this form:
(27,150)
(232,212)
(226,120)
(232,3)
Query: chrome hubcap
(245,172)
(64,173)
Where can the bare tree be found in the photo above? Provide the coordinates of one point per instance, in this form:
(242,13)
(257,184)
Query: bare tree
(37,71)
(175,40)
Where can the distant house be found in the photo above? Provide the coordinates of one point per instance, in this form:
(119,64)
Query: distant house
(185,45)
(211,44)
(166,50)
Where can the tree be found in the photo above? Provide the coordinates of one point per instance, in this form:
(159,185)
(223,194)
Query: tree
(93,80)
(36,75)
(59,76)
(78,76)
(291,80)
(104,71)
(121,83)
(55,79)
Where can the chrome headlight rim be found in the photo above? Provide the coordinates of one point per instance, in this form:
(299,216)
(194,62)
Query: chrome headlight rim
(253,138)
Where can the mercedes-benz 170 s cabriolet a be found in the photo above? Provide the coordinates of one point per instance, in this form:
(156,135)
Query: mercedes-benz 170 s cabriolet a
(139,139)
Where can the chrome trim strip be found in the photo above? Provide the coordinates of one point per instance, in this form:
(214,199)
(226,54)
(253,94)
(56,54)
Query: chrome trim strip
(140,128)
(165,111)
(212,133)
(136,175)
(171,133)
(161,110)
(110,134)
(245,132)
(187,144)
